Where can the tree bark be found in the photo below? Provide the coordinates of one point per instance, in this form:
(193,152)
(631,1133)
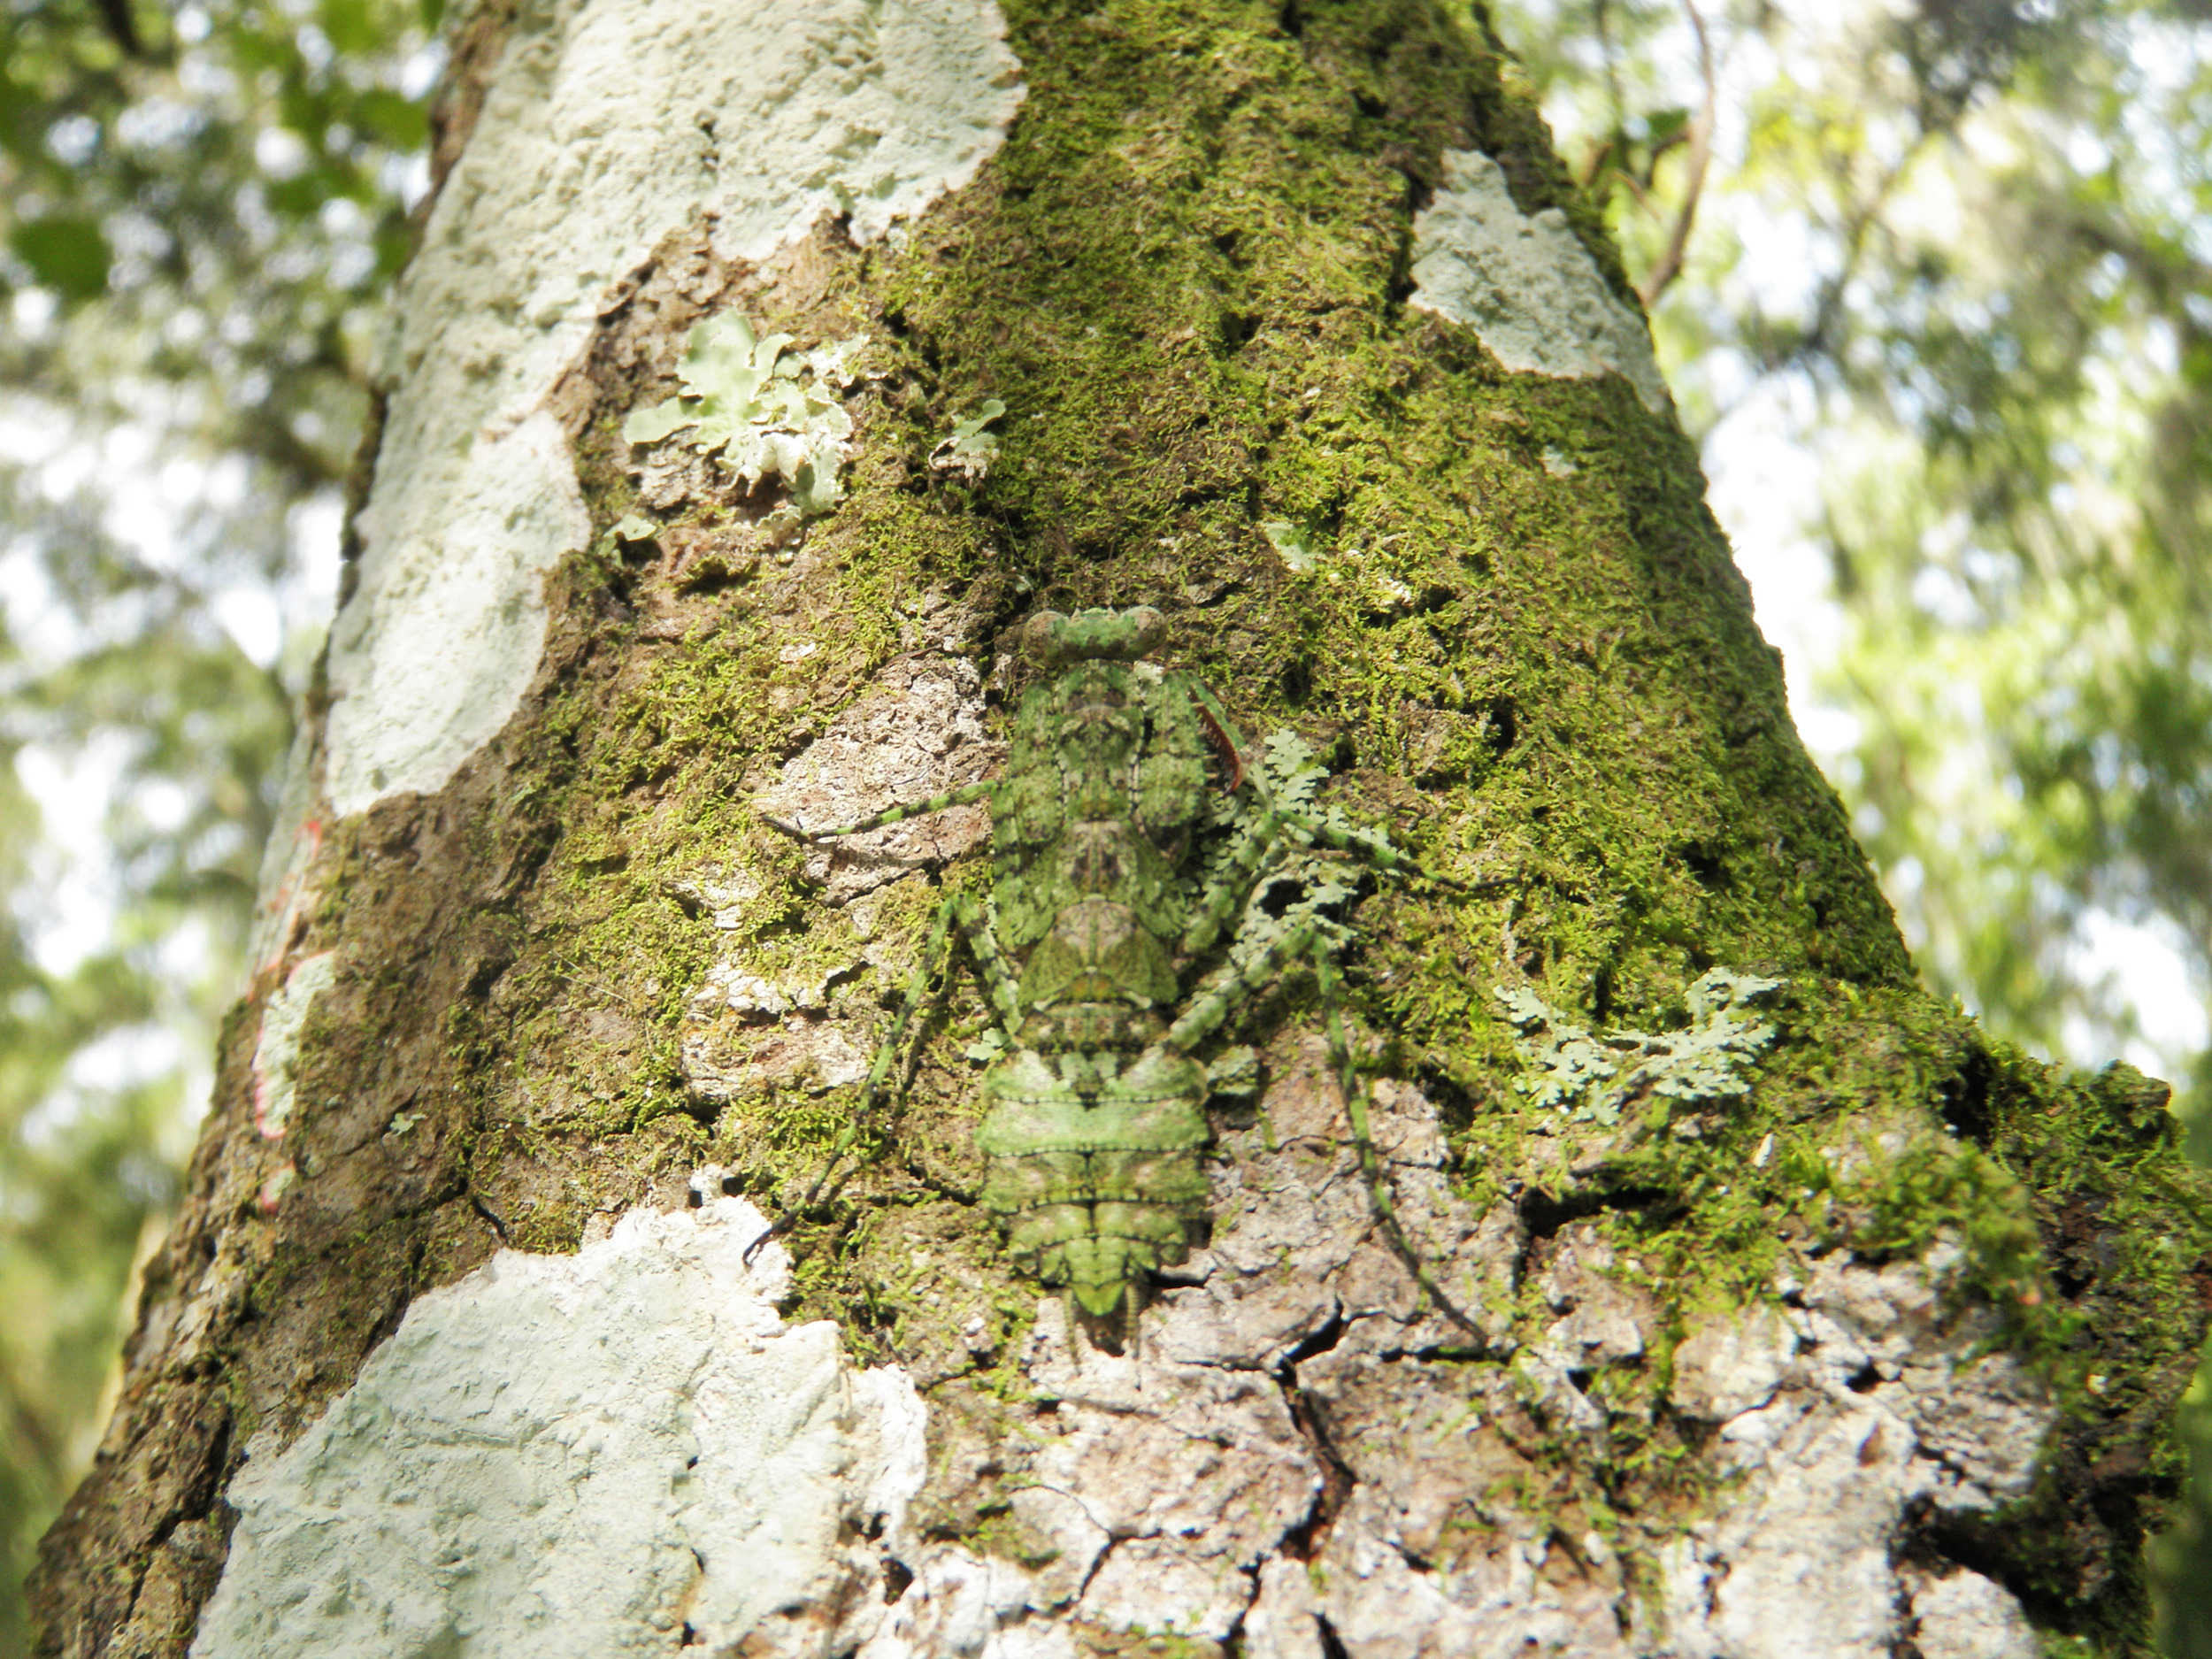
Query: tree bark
(1819,1325)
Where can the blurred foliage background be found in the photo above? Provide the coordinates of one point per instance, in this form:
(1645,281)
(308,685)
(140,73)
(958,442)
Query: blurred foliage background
(1932,280)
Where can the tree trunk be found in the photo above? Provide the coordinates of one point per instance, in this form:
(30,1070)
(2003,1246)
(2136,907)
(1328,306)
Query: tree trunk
(1742,1300)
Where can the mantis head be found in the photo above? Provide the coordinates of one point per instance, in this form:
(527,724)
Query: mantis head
(1119,636)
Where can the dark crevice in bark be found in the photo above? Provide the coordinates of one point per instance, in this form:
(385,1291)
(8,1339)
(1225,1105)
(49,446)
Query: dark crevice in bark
(1601,996)
(359,477)
(198,1497)
(896,1575)
(1706,865)
(489,1216)
(1400,285)
(1304,1540)
(1967,1107)
(1544,1214)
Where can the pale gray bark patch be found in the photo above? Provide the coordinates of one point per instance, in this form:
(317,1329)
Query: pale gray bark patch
(1174,1487)
(1282,1622)
(1527,286)
(1967,1617)
(608,1453)
(609,124)
(1602,1322)
(1861,1399)
(277,1051)
(1728,1367)
(918,731)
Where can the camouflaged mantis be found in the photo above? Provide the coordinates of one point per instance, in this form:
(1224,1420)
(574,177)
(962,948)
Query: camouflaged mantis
(1103,905)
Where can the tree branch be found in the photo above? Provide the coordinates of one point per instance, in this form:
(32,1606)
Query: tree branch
(1657,279)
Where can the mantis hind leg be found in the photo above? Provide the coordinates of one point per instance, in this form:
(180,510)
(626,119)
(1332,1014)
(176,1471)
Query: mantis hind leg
(1354,1090)
(885,819)
(959,910)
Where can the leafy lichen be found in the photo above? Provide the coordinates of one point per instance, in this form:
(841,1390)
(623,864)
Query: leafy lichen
(1592,1077)
(970,450)
(765,411)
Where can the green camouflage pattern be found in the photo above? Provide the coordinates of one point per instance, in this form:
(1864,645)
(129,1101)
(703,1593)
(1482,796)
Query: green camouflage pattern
(1101,907)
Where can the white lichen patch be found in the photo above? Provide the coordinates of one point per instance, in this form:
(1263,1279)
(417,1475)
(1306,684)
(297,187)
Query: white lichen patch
(609,124)
(276,1053)
(1965,1616)
(439,641)
(1845,1413)
(569,1457)
(1527,287)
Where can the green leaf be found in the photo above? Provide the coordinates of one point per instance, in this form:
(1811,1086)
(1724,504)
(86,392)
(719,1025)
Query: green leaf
(403,123)
(351,24)
(70,256)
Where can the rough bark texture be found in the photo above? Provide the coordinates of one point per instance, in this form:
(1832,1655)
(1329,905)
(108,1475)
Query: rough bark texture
(1303,337)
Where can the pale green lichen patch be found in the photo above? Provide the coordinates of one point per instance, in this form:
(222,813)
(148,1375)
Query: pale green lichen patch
(1590,1077)
(765,411)
(1293,544)
(971,447)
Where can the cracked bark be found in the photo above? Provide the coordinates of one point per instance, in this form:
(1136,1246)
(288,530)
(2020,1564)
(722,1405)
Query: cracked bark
(1873,1362)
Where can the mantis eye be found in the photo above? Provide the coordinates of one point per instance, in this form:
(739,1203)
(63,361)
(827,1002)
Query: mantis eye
(1041,635)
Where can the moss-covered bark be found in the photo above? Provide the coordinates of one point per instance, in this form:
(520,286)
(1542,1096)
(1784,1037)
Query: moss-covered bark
(1517,635)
